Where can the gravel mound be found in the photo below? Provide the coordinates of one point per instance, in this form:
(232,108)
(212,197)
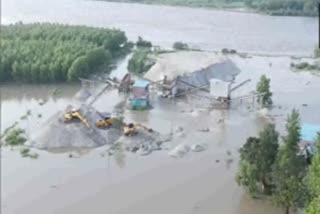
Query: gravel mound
(58,135)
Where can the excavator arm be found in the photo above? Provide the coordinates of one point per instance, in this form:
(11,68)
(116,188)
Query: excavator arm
(76,115)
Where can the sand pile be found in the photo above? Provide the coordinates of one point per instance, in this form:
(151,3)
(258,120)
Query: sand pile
(58,135)
(182,62)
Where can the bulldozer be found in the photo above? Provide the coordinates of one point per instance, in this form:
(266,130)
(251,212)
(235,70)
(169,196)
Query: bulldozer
(105,123)
(131,129)
(75,115)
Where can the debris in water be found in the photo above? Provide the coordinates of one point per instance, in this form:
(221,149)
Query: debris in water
(263,112)
(34,155)
(143,142)
(42,102)
(198,147)
(179,151)
(56,92)
(24,151)
(221,120)
(204,130)
(179,129)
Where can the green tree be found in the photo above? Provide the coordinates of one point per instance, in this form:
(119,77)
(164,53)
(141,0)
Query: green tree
(45,52)
(314,170)
(311,6)
(79,68)
(313,207)
(256,159)
(141,43)
(139,62)
(180,46)
(290,168)
(263,88)
(314,181)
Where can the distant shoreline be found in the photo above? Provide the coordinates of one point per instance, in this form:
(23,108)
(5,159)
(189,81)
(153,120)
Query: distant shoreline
(223,7)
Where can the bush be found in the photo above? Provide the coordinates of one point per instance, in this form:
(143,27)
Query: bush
(228,51)
(233,51)
(139,62)
(24,151)
(313,67)
(15,137)
(141,43)
(180,46)
(302,65)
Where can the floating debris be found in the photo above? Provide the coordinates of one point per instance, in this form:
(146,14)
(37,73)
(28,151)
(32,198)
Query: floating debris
(179,151)
(198,147)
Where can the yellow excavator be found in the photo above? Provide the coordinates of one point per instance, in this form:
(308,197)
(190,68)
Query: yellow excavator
(75,114)
(131,129)
(106,122)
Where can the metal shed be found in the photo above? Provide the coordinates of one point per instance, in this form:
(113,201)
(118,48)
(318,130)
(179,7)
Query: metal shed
(140,94)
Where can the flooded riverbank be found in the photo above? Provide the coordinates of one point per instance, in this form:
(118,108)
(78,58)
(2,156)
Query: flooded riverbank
(130,183)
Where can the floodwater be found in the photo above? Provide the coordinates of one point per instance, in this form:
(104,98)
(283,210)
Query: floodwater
(201,28)
(128,183)
(199,182)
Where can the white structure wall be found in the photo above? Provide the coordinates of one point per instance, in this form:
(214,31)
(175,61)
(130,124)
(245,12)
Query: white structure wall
(219,88)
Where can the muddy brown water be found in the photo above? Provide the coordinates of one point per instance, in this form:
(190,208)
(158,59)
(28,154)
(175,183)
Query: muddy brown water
(128,183)
(201,28)
(198,183)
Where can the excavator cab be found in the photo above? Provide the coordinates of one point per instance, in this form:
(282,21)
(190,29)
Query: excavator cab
(132,129)
(129,129)
(105,123)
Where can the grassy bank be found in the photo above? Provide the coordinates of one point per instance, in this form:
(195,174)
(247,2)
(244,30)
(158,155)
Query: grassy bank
(272,7)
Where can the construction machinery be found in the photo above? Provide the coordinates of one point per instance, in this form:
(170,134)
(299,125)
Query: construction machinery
(75,115)
(132,129)
(105,123)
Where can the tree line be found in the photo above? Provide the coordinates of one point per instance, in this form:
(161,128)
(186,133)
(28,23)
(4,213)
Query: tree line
(280,168)
(285,7)
(282,171)
(273,7)
(140,61)
(56,53)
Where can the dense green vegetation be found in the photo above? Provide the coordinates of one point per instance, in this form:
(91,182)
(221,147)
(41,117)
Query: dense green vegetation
(305,66)
(141,43)
(54,52)
(140,61)
(290,168)
(180,46)
(314,182)
(274,7)
(263,88)
(279,171)
(15,137)
(257,158)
